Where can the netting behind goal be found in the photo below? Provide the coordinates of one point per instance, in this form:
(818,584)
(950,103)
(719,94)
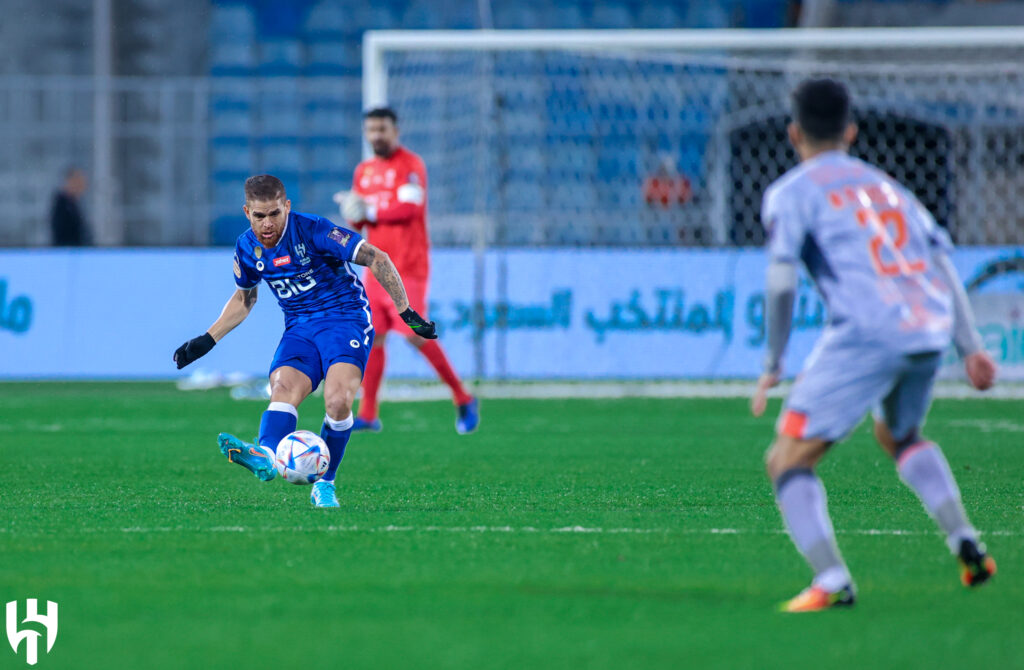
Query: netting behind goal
(667,147)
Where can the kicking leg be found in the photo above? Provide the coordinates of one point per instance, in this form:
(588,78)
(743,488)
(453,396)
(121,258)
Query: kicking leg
(289,387)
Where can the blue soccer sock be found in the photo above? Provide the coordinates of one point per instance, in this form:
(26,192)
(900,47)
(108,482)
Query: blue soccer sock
(336,434)
(279,420)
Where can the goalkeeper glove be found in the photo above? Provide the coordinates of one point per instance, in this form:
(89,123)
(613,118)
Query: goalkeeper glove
(194,349)
(419,325)
(354,207)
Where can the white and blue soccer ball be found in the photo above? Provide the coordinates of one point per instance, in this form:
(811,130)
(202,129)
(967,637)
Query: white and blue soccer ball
(302,457)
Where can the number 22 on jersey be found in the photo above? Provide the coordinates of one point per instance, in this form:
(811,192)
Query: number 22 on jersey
(888,228)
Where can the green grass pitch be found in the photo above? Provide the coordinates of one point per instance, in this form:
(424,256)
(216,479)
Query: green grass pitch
(564,534)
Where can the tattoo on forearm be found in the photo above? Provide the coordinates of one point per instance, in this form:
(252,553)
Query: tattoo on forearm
(366,255)
(387,275)
(249,297)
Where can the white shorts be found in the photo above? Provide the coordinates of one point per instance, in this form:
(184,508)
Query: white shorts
(841,382)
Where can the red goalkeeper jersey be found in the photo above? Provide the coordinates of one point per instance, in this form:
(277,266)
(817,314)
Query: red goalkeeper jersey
(397,187)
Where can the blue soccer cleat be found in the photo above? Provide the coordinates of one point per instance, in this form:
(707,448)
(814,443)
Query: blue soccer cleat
(324,495)
(256,460)
(373,426)
(468,417)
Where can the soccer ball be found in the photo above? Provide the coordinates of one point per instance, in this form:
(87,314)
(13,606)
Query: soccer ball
(302,457)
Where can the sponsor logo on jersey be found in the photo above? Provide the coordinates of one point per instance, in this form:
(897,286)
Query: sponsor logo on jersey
(283,260)
(340,236)
(260,266)
(237,268)
(258,252)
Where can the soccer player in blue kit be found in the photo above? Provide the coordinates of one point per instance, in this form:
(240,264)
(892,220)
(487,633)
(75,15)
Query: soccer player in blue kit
(882,265)
(306,260)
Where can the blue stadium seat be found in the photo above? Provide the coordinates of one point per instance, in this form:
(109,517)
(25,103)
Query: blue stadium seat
(564,16)
(232,155)
(231,57)
(377,16)
(330,154)
(280,156)
(517,16)
(661,15)
(611,15)
(232,23)
(225,229)
(281,57)
(422,15)
(327,18)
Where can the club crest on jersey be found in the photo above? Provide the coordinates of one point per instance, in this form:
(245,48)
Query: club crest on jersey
(257,252)
(283,260)
(260,266)
(300,251)
(339,236)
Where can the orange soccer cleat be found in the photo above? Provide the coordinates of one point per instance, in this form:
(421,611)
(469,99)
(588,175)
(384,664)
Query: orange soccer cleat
(815,599)
(976,567)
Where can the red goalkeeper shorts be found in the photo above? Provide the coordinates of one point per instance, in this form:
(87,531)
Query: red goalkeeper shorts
(385,314)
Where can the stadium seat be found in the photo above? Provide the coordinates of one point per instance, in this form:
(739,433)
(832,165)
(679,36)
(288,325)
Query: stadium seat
(660,15)
(327,18)
(611,15)
(564,17)
(280,57)
(422,15)
(232,23)
(231,155)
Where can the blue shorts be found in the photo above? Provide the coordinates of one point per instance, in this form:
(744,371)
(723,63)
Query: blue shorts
(315,345)
(841,382)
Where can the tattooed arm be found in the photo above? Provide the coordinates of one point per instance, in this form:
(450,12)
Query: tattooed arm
(384,270)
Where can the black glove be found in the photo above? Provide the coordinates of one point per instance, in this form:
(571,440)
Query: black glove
(194,349)
(424,329)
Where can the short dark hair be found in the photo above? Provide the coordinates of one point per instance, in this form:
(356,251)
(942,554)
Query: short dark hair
(821,107)
(381,113)
(263,187)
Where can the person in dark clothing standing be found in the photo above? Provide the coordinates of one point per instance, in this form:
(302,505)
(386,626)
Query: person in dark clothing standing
(66,221)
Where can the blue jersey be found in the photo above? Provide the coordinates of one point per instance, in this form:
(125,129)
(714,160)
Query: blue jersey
(309,270)
(868,245)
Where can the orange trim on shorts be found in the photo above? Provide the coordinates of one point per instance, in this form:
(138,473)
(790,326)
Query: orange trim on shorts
(794,424)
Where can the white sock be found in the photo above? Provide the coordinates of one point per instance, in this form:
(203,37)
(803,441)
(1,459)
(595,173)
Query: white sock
(802,501)
(924,469)
(342,425)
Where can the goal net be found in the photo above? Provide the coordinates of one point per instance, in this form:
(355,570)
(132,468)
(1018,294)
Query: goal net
(670,137)
(545,150)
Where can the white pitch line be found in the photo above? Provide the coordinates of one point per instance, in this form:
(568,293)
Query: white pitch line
(561,530)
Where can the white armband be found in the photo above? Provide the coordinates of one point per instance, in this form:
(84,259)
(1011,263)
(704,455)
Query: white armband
(411,193)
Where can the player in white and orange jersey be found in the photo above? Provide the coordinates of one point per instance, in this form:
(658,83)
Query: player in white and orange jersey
(882,265)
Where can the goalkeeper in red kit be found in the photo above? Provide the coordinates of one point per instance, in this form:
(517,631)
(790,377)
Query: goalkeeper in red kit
(388,205)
